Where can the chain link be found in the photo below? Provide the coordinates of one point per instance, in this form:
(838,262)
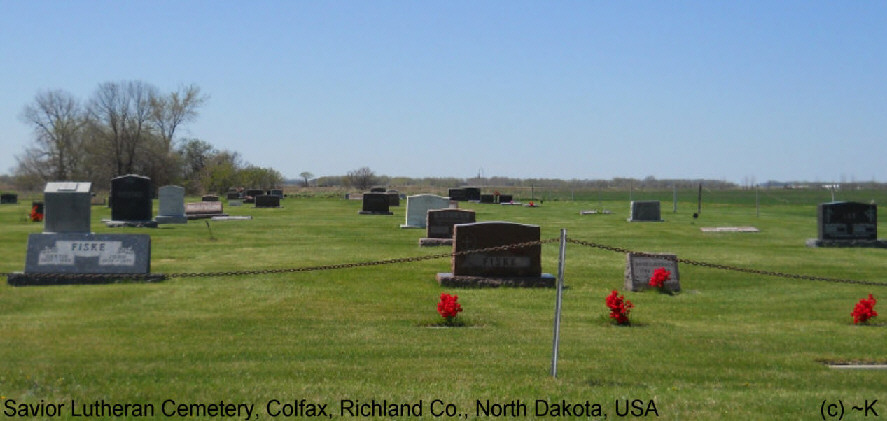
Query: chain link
(154,277)
(728,267)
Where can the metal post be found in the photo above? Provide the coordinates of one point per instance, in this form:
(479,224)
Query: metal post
(557,305)
(674,200)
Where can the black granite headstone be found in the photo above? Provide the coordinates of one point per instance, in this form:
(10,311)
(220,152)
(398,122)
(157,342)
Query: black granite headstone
(847,221)
(375,204)
(131,198)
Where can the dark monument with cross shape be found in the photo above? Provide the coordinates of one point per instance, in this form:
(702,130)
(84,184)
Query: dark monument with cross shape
(847,224)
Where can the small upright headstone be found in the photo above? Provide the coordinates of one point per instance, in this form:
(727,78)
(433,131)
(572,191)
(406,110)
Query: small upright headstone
(440,223)
(8,199)
(375,204)
(847,224)
(131,198)
(267,201)
(66,207)
(639,268)
(472,194)
(645,211)
(457,195)
(171,209)
(210,198)
(234,195)
(276,192)
(419,205)
(377,190)
(393,198)
(249,196)
(506,198)
(487,198)
(514,265)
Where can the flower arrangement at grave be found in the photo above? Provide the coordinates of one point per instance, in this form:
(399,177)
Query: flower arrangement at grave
(619,308)
(658,279)
(35,216)
(864,310)
(448,307)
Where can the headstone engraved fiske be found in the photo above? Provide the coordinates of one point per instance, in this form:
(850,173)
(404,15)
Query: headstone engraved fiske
(491,254)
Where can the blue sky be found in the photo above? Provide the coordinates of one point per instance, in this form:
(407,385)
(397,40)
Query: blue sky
(785,90)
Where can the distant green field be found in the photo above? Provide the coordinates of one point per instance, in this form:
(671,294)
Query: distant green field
(730,346)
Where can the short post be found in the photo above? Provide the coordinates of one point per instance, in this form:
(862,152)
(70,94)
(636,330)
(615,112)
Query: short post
(557,305)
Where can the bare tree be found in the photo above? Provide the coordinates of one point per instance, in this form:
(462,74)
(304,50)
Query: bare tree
(361,178)
(119,114)
(58,119)
(175,109)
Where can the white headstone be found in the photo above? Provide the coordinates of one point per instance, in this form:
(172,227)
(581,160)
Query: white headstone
(171,209)
(419,205)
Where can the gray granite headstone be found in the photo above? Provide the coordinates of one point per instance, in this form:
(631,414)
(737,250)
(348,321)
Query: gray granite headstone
(67,207)
(639,269)
(515,266)
(171,209)
(440,225)
(419,205)
(645,211)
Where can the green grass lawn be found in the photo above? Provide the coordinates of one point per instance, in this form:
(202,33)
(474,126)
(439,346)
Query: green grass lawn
(730,346)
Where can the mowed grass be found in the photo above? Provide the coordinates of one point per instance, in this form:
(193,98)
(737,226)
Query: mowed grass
(730,346)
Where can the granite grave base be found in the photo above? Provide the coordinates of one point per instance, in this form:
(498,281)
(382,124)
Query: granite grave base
(546,280)
(132,224)
(815,242)
(45,279)
(431,242)
(171,219)
(375,213)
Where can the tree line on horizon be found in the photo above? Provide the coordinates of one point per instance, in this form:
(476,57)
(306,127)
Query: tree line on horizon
(127,127)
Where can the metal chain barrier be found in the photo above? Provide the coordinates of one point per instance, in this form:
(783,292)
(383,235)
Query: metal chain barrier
(155,277)
(728,267)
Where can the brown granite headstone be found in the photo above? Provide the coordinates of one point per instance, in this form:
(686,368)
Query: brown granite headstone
(515,266)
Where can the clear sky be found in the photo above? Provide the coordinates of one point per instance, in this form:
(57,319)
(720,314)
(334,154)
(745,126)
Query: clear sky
(783,90)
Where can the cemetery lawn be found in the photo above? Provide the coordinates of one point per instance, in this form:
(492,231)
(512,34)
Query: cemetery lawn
(732,345)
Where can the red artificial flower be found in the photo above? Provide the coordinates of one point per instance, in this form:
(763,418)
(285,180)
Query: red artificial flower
(619,308)
(660,275)
(864,310)
(448,307)
(36,216)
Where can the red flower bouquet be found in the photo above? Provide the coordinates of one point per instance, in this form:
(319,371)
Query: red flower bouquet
(619,308)
(36,216)
(659,277)
(864,310)
(449,307)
